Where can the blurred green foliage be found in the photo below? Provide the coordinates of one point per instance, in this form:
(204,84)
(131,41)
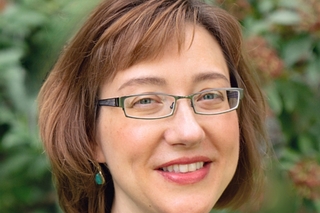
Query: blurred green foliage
(32,32)
(283,42)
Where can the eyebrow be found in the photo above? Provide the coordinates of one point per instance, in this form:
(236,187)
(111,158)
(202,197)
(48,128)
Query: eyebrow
(144,81)
(210,76)
(161,81)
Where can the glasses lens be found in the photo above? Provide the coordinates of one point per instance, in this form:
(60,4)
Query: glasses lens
(148,105)
(215,101)
(233,98)
(158,105)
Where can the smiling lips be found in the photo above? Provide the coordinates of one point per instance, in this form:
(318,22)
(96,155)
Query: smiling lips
(183,168)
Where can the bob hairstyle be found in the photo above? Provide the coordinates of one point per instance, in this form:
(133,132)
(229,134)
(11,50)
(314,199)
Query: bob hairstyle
(117,35)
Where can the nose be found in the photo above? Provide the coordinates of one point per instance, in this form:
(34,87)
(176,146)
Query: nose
(183,127)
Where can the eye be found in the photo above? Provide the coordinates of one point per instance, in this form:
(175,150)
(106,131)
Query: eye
(210,100)
(209,96)
(144,101)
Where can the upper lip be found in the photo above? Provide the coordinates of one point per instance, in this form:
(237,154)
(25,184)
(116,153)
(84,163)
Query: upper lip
(185,160)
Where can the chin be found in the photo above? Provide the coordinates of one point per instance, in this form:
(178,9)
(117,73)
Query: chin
(189,209)
(193,205)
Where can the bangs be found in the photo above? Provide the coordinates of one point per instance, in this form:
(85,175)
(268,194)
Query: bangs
(141,33)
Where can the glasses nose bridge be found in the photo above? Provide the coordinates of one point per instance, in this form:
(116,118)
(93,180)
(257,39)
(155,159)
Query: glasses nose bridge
(178,97)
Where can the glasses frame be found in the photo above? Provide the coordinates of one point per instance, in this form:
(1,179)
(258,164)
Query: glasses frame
(119,102)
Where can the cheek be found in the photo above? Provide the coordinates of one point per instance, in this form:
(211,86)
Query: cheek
(225,137)
(232,133)
(226,127)
(232,145)
(227,144)
(123,141)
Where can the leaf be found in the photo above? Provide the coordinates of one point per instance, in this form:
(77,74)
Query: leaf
(294,4)
(15,87)
(284,17)
(288,93)
(306,145)
(10,56)
(313,72)
(16,163)
(19,21)
(265,6)
(297,49)
(255,27)
(289,157)
(317,205)
(5,114)
(274,99)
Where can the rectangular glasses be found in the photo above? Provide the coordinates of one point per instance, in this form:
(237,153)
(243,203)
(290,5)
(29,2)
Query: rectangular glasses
(160,105)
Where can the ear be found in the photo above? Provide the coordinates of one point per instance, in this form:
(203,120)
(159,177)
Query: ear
(98,153)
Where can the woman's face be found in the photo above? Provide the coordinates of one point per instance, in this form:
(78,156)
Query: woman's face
(203,149)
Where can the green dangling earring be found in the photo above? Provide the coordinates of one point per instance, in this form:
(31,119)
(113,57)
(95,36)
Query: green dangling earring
(98,178)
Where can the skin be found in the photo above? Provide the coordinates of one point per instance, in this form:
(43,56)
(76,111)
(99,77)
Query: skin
(134,149)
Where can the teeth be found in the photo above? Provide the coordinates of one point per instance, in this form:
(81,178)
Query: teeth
(192,167)
(176,168)
(183,168)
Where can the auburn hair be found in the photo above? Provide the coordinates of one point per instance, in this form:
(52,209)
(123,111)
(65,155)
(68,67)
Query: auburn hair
(117,35)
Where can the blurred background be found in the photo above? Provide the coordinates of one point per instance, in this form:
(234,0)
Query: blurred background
(283,42)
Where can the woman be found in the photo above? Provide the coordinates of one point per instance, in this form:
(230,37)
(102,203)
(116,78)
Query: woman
(183,140)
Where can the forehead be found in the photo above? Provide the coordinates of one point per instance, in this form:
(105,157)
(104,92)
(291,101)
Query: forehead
(199,59)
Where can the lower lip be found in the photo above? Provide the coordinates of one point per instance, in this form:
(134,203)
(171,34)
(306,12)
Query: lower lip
(187,178)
